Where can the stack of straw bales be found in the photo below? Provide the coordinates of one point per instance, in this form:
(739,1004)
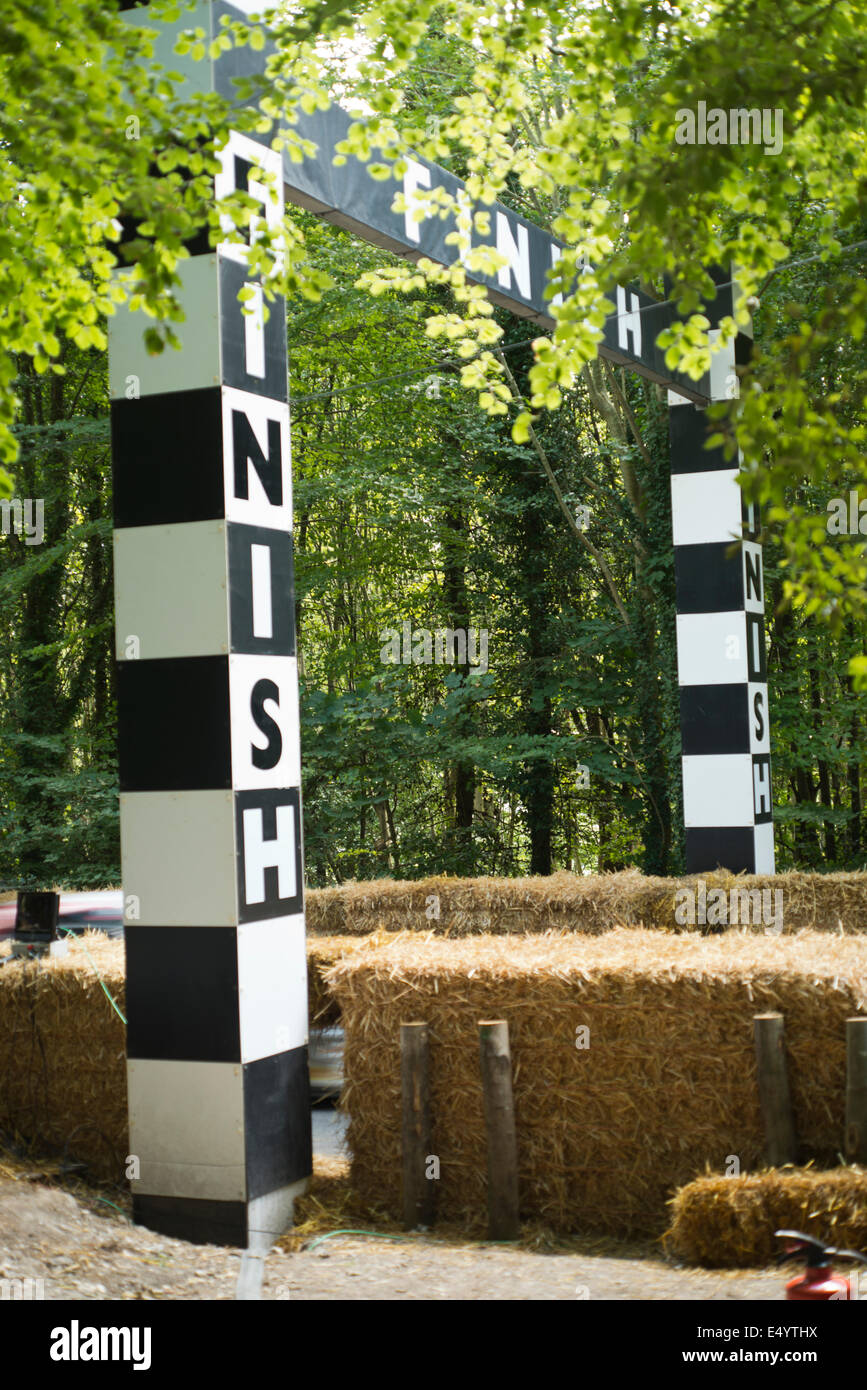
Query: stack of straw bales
(591,904)
(607,1133)
(666,1088)
(726,1221)
(62,1054)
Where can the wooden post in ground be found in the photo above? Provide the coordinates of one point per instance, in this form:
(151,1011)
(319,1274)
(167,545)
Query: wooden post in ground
(418,1189)
(781,1145)
(496,1063)
(856,1090)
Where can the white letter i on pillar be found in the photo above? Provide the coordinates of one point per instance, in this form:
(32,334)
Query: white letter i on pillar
(260,573)
(254,332)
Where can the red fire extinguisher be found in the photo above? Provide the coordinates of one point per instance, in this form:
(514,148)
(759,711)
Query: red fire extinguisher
(818,1282)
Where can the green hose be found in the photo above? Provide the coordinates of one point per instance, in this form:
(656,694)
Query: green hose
(96,968)
(379,1235)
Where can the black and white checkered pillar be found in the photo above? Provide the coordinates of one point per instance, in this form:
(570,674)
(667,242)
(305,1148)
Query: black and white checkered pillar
(209,754)
(721,659)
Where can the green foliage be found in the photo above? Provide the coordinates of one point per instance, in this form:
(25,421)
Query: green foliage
(420,501)
(571,113)
(91,125)
(414,507)
(58,775)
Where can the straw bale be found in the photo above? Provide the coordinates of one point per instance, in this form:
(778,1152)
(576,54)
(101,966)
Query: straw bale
(666,1088)
(470,906)
(322,953)
(587,903)
(729,1222)
(62,1053)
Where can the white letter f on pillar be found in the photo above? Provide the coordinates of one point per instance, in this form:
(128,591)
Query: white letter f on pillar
(628,323)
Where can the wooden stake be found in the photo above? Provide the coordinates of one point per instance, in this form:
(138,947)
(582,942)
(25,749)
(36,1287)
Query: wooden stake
(781,1144)
(856,1090)
(418,1190)
(496,1063)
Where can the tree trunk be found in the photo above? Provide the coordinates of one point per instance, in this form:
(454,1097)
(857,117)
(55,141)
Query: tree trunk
(462,782)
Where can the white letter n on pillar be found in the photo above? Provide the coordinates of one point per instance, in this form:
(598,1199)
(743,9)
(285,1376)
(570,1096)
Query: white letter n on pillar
(261,854)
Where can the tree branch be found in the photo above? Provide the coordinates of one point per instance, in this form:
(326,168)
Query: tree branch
(561,501)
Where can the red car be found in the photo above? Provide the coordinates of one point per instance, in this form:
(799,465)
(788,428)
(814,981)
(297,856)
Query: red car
(79,912)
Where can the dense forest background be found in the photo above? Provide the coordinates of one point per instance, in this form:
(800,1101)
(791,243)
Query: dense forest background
(415,511)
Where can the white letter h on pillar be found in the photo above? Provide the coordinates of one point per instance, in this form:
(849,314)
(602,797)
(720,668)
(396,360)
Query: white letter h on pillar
(261,854)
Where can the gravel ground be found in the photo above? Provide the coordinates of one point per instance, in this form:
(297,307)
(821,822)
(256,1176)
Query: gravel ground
(50,1234)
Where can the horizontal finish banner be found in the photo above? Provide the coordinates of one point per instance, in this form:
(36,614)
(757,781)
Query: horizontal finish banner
(347,195)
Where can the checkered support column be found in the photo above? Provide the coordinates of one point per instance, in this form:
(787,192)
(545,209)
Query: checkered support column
(209,754)
(721,656)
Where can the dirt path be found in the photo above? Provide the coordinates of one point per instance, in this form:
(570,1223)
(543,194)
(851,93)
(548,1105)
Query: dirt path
(49,1234)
